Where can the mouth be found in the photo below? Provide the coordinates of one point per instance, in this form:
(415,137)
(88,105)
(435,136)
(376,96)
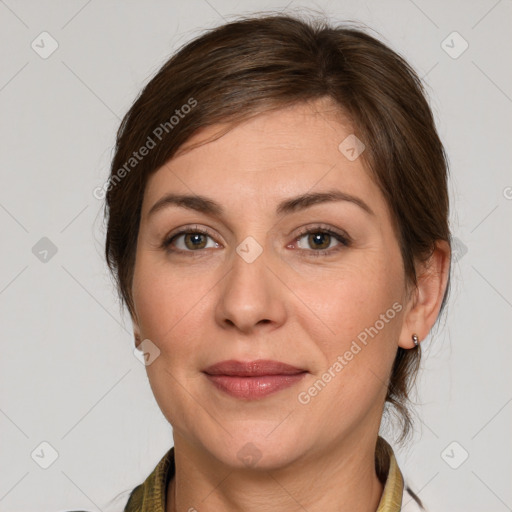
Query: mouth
(254,379)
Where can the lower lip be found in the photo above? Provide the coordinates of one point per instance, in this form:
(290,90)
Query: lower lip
(252,388)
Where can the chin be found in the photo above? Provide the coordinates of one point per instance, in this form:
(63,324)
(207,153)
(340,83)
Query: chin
(258,450)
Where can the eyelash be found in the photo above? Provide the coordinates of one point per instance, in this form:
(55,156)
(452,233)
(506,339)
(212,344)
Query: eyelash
(344,240)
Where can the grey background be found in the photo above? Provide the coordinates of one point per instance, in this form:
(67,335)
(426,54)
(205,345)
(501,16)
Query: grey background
(68,375)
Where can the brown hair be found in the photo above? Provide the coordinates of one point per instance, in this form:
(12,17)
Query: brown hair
(266,62)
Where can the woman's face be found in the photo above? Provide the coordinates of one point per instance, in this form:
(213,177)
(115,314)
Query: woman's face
(256,287)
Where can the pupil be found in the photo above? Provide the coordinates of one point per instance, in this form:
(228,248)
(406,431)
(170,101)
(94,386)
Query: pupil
(317,237)
(194,237)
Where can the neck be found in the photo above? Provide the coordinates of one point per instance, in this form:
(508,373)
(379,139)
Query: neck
(341,477)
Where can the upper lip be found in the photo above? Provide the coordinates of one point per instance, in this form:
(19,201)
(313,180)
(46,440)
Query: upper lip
(255,368)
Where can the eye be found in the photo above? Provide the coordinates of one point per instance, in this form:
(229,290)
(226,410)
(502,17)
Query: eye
(322,241)
(319,241)
(189,240)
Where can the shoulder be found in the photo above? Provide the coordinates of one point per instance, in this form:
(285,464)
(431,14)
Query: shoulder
(150,495)
(134,503)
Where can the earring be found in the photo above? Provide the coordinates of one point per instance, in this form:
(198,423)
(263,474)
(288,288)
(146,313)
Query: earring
(415,340)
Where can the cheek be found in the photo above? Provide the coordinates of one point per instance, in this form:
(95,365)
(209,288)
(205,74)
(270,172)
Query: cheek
(167,308)
(165,300)
(175,312)
(351,298)
(364,319)
(360,322)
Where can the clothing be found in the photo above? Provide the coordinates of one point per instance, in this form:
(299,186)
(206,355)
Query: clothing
(150,496)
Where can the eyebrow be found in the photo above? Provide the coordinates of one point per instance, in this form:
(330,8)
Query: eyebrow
(208,206)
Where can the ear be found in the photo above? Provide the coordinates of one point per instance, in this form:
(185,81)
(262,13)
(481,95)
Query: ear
(425,300)
(136,330)
(136,335)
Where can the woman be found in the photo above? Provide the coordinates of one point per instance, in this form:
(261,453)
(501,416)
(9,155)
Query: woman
(278,229)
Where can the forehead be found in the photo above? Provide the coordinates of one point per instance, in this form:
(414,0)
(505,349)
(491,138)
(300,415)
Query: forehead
(281,153)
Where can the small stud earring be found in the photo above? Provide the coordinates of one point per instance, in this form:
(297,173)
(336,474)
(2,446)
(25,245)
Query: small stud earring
(415,340)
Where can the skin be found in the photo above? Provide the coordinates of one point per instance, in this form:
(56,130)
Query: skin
(291,305)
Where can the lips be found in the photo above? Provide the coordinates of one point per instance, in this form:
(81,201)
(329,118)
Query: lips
(252,368)
(254,379)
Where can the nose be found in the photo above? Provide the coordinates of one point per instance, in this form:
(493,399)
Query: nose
(251,296)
